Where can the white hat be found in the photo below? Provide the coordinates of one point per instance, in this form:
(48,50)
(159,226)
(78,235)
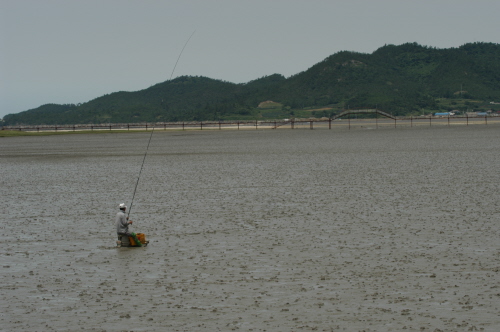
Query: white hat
(123,206)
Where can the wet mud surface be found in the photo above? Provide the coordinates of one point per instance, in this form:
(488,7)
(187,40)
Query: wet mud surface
(283,230)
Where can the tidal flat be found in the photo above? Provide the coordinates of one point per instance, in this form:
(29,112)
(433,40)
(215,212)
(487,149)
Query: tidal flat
(265,230)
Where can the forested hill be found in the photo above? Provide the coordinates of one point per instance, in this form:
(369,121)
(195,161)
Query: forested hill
(405,79)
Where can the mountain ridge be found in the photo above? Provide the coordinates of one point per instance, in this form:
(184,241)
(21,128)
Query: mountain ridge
(404,79)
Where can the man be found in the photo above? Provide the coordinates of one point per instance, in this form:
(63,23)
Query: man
(122,226)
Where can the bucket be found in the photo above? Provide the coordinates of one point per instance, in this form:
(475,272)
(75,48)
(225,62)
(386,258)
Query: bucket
(140,236)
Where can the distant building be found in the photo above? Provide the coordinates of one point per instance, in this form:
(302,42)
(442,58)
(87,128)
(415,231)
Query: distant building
(442,114)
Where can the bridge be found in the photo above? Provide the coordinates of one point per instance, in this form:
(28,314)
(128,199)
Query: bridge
(364,111)
(344,113)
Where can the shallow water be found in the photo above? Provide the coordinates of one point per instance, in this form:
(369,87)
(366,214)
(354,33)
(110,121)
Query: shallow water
(282,230)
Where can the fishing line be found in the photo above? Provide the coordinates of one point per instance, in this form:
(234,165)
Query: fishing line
(181,54)
(152,131)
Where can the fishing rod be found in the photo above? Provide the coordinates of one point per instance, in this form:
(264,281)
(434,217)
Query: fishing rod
(142,166)
(152,131)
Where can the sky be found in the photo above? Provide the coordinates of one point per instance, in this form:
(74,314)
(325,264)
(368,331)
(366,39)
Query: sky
(72,51)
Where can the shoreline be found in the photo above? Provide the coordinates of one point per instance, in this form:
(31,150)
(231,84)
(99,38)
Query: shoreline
(346,124)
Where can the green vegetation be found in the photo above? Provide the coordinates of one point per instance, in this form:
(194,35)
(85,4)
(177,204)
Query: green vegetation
(408,79)
(15,133)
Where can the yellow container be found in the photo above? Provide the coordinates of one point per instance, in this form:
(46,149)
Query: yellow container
(140,236)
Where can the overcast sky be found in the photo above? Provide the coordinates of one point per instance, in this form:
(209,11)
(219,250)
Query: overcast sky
(72,51)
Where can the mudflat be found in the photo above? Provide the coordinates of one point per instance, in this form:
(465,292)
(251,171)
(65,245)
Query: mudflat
(265,230)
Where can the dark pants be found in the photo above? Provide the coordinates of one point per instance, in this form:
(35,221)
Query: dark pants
(123,234)
(133,235)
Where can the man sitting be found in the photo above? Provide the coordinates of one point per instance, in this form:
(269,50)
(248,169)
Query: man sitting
(122,226)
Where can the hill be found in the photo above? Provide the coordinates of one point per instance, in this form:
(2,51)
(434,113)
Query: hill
(405,79)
